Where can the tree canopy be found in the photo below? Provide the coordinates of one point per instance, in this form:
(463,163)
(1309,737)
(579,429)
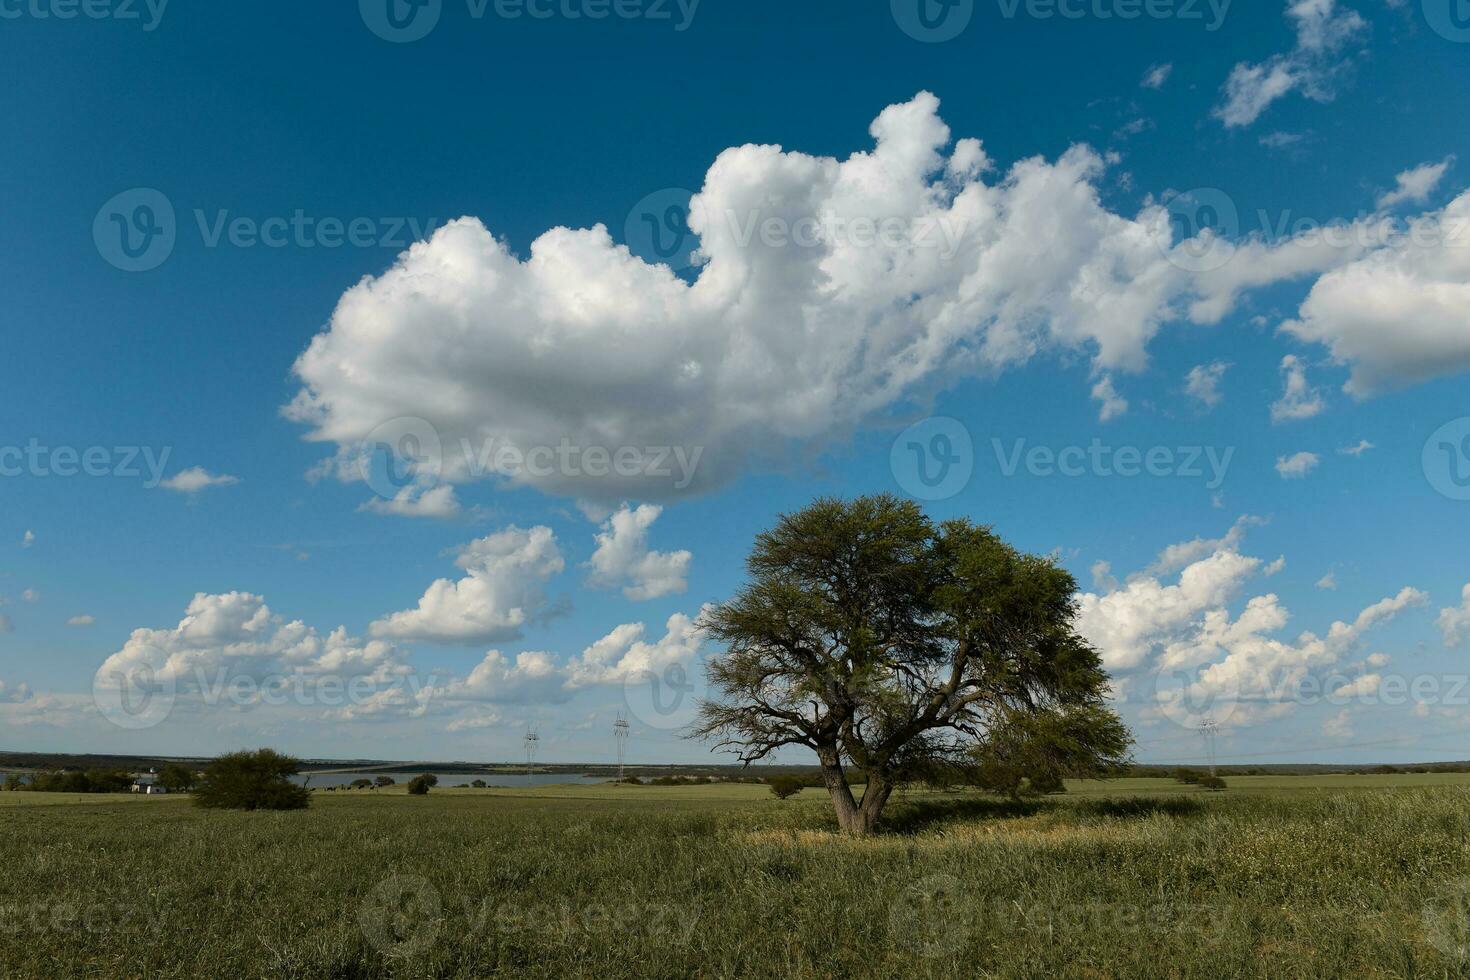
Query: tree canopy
(890,644)
(258,780)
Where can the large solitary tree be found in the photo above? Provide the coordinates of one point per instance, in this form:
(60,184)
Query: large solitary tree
(889,645)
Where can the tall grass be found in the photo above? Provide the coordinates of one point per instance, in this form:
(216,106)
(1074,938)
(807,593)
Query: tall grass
(711,881)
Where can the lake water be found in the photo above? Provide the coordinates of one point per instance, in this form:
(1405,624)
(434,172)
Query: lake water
(321,780)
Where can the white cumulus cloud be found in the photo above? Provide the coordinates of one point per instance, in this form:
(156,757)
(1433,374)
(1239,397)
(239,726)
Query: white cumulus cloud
(774,348)
(501,592)
(1297,465)
(197,478)
(623,558)
(1312,67)
(1454,621)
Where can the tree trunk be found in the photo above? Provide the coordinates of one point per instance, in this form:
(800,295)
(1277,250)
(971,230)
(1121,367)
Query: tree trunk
(848,816)
(875,796)
(852,817)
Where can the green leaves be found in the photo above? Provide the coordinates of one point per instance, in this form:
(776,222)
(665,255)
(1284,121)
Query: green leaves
(872,635)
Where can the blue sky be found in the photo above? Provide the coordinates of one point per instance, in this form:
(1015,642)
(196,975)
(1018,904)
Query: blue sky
(1047,287)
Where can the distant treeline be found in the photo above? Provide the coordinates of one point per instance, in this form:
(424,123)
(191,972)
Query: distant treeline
(73,781)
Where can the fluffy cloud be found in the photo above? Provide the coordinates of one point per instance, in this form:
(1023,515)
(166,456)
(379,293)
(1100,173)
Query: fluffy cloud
(1299,400)
(31,595)
(417,501)
(624,559)
(1233,662)
(1312,67)
(1400,313)
(501,592)
(1203,383)
(197,478)
(780,345)
(1417,184)
(624,654)
(538,677)
(235,635)
(1297,465)
(1454,621)
(82,620)
(1129,624)
(28,539)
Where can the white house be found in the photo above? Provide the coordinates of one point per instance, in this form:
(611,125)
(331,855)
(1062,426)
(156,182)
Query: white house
(147,783)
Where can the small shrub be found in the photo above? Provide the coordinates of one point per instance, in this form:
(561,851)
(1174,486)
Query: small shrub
(362,784)
(1214,783)
(258,780)
(1187,776)
(479,784)
(382,781)
(419,785)
(784,786)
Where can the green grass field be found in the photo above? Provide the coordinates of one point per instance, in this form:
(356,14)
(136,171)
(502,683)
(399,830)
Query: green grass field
(1280,876)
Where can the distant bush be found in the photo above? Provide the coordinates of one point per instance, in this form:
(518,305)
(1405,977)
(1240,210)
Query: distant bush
(1045,781)
(784,786)
(1187,776)
(384,781)
(1211,783)
(479,784)
(258,780)
(362,784)
(419,785)
(177,778)
(13,783)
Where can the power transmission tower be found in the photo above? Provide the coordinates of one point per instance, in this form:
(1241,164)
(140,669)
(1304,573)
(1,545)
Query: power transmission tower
(621,731)
(1208,730)
(532,741)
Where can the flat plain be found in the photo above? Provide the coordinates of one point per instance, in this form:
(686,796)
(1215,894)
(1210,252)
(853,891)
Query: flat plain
(1279,876)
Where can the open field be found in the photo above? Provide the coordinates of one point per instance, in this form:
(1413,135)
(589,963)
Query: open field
(1279,876)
